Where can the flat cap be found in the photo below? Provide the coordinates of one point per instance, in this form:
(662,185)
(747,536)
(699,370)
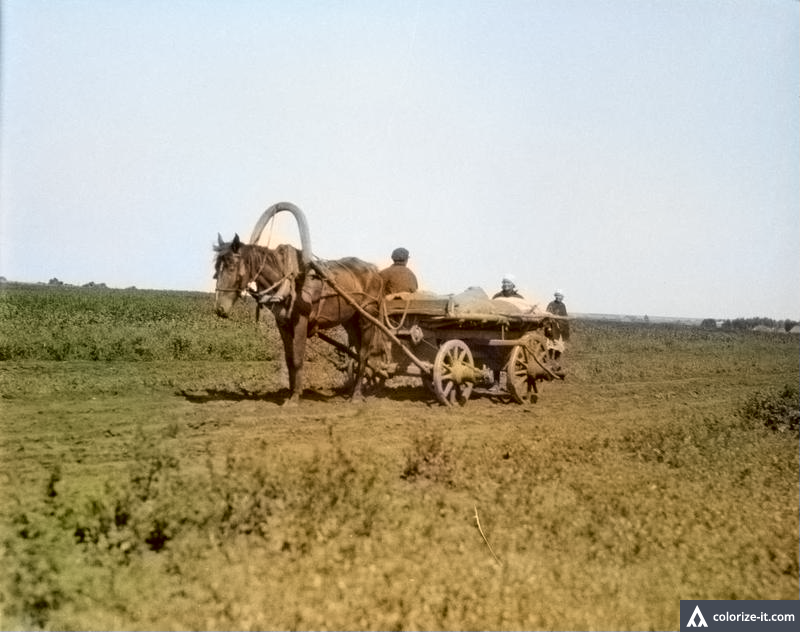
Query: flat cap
(399,254)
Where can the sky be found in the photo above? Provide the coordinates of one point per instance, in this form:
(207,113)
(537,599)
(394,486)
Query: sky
(642,156)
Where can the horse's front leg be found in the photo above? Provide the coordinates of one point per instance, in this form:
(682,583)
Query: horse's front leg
(287,338)
(298,353)
(293,337)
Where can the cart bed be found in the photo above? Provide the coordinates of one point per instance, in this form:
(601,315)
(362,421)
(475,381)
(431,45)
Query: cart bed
(470,309)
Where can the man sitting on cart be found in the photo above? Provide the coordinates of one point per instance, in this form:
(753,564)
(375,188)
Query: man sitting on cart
(508,288)
(397,277)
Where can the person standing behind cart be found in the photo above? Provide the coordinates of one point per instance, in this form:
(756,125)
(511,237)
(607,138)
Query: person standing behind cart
(560,327)
(397,277)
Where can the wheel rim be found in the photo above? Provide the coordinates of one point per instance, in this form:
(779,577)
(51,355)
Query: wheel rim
(453,373)
(520,384)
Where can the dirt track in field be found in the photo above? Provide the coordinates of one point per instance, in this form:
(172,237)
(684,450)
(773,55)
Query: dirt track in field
(85,414)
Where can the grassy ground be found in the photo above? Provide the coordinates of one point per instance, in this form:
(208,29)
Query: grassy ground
(170,490)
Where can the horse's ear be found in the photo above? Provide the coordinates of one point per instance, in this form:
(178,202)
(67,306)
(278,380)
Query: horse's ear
(236,243)
(219,240)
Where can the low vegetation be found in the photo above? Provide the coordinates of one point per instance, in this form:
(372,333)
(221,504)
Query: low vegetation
(777,410)
(61,322)
(166,489)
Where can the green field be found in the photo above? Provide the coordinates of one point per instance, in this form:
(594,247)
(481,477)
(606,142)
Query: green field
(150,479)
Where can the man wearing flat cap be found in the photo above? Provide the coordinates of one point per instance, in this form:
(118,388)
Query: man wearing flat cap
(397,277)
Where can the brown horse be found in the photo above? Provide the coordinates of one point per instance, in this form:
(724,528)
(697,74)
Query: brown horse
(302,302)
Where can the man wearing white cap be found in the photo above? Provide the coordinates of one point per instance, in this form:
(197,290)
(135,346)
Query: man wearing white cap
(509,289)
(560,327)
(557,306)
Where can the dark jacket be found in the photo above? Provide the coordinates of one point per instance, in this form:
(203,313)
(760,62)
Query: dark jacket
(561,327)
(511,294)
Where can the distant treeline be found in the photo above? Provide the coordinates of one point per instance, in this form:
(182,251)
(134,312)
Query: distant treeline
(746,324)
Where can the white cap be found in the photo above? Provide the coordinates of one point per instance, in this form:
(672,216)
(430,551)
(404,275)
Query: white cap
(559,293)
(509,277)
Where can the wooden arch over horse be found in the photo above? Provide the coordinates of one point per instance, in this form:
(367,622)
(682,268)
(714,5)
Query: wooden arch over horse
(302,301)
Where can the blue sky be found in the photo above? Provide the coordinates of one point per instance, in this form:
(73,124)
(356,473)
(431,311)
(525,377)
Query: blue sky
(642,156)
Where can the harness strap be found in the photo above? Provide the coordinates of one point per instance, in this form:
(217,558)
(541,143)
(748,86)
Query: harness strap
(261,295)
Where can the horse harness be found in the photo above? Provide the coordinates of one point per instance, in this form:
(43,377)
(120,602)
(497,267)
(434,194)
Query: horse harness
(283,293)
(314,292)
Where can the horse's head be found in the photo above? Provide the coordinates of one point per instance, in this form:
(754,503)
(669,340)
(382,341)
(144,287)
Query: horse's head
(230,271)
(269,273)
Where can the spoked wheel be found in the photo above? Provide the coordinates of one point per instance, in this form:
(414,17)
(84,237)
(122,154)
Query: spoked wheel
(521,385)
(453,373)
(529,363)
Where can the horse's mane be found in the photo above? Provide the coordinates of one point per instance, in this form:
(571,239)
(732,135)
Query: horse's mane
(286,257)
(288,260)
(352,264)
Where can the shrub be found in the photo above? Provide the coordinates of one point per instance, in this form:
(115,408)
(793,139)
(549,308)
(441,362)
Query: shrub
(429,458)
(777,410)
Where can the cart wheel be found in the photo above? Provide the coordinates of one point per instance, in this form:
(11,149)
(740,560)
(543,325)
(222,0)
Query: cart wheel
(453,373)
(520,384)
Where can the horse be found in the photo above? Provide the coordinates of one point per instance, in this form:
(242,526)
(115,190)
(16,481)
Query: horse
(301,300)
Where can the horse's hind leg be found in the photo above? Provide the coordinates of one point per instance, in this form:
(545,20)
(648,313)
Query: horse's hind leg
(358,387)
(372,356)
(356,339)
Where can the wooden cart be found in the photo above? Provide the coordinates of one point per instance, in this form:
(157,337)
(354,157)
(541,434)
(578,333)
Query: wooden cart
(457,350)
(459,354)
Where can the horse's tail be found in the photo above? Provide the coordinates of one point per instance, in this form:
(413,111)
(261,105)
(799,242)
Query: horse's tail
(383,314)
(377,294)
(381,345)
